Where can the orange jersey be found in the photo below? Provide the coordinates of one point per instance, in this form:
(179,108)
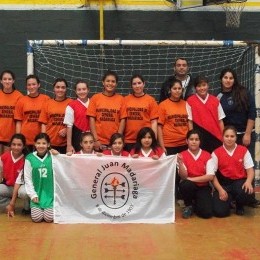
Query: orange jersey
(52,115)
(28,111)
(108,111)
(173,117)
(140,111)
(7,107)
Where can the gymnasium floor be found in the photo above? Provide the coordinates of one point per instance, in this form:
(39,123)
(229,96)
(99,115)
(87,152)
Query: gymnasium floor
(234,237)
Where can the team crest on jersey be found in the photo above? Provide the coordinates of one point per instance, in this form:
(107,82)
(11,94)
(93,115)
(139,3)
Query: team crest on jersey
(230,101)
(115,190)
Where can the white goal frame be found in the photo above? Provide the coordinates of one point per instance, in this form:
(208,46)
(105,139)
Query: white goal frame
(30,66)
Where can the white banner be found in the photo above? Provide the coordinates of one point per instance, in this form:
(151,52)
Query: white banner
(109,189)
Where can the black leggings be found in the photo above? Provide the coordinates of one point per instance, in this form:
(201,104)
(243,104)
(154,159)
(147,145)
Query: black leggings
(235,192)
(199,196)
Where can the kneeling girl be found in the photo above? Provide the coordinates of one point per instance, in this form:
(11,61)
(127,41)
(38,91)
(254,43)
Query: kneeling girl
(234,177)
(195,170)
(38,175)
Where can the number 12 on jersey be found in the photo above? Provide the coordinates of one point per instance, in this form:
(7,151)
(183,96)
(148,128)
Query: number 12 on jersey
(43,172)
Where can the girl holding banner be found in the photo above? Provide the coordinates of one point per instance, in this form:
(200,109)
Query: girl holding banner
(146,145)
(38,176)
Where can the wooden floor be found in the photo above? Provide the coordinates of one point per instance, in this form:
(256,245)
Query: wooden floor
(234,237)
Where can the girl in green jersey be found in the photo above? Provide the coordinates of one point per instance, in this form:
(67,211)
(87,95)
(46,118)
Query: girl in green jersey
(38,175)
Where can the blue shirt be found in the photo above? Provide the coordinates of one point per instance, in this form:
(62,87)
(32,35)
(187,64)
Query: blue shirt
(234,117)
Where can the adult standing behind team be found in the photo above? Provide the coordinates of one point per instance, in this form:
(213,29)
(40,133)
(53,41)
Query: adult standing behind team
(8,99)
(52,116)
(27,111)
(181,72)
(106,111)
(141,110)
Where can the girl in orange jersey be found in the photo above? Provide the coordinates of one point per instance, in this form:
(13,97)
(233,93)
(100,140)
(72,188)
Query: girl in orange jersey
(76,117)
(52,116)
(8,99)
(146,145)
(141,110)
(116,145)
(106,111)
(173,125)
(173,122)
(27,111)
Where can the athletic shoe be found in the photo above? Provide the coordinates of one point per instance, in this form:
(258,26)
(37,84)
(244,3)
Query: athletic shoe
(232,204)
(255,204)
(180,203)
(26,211)
(240,210)
(187,212)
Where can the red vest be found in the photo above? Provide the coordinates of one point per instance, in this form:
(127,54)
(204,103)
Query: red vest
(196,168)
(80,115)
(206,115)
(232,167)
(11,169)
(157,151)
(109,152)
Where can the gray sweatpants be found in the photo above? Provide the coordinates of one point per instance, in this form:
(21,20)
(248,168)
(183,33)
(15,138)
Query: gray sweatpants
(6,193)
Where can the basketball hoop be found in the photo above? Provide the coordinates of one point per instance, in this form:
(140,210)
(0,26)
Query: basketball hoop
(233,10)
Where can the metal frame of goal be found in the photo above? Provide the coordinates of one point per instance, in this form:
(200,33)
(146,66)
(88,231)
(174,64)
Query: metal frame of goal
(88,59)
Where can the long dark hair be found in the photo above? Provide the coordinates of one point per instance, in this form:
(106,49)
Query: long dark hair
(193,132)
(114,137)
(84,134)
(229,127)
(141,134)
(110,73)
(60,80)
(139,76)
(8,72)
(32,76)
(21,137)
(239,92)
(42,136)
(81,81)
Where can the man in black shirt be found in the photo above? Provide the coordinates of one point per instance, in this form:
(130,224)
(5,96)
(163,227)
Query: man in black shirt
(181,69)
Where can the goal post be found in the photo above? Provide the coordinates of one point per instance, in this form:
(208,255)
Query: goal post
(89,59)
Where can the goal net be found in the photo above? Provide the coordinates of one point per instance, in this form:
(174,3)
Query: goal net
(89,59)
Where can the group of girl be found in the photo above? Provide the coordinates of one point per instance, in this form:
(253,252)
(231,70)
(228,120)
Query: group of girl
(212,182)
(233,164)
(34,173)
(108,113)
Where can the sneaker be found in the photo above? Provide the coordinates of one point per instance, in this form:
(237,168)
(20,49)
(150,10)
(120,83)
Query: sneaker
(240,211)
(255,204)
(26,211)
(187,212)
(180,203)
(232,204)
